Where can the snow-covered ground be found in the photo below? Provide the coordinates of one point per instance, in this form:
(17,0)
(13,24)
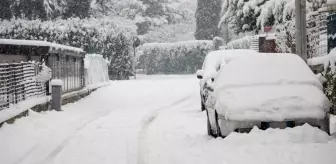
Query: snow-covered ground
(155,119)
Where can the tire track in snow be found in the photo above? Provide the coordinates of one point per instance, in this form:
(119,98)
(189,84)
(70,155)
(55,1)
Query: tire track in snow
(54,153)
(142,148)
(63,142)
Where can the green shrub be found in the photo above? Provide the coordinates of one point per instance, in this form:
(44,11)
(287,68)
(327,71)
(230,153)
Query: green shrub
(330,88)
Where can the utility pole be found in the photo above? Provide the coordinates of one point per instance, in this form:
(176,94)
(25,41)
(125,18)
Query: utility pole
(134,63)
(226,28)
(136,43)
(301,29)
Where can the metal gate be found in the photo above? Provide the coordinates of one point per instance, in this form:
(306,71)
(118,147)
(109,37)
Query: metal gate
(331,31)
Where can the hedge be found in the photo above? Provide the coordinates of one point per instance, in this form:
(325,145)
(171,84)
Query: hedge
(174,58)
(108,37)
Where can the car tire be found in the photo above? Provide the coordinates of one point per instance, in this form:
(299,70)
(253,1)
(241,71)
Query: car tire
(326,125)
(210,133)
(203,106)
(218,130)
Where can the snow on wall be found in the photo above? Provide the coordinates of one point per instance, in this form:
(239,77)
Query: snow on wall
(249,42)
(22,106)
(96,69)
(327,60)
(242,43)
(39,43)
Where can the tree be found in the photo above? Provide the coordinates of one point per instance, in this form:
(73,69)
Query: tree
(121,59)
(147,14)
(5,9)
(77,8)
(285,34)
(207,19)
(241,15)
(170,33)
(31,9)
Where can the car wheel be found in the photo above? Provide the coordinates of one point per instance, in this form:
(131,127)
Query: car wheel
(218,130)
(210,133)
(203,106)
(325,127)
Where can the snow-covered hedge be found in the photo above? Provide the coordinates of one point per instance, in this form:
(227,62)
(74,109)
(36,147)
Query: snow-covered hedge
(96,69)
(174,58)
(329,73)
(242,43)
(109,37)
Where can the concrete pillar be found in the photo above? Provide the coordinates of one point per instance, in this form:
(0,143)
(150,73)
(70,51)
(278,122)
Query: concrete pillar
(56,95)
(301,29)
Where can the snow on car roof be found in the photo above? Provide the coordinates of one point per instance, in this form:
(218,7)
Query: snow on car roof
(39,43)
(223,56)
(266,69)
(215,59)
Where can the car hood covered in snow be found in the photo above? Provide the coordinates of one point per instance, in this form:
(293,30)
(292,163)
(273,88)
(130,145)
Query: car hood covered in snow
(272,103)
(269,87)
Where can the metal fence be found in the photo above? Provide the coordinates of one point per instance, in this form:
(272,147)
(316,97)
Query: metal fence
(317,35)
(18,83)
(70,69)
(331,31)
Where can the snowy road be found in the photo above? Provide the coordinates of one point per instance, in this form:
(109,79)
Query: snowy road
(152,120)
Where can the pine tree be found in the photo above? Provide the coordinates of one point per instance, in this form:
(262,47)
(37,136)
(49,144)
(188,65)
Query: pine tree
(121,59)
(78,8)
(5,11)
(154,8)
(207,19)
(29,9)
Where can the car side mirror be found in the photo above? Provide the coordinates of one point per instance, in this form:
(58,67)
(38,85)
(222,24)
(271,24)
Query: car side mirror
(199,74)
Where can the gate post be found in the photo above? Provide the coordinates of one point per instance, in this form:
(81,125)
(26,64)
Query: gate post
(56,95)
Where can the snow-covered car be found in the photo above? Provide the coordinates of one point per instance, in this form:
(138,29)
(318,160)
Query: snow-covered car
(265,90)
(211,65)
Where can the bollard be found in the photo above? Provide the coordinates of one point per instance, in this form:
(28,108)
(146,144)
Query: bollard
(56,94)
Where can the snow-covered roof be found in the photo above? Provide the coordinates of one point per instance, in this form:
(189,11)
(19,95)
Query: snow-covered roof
(269,87)
(39,43)
(270,37)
